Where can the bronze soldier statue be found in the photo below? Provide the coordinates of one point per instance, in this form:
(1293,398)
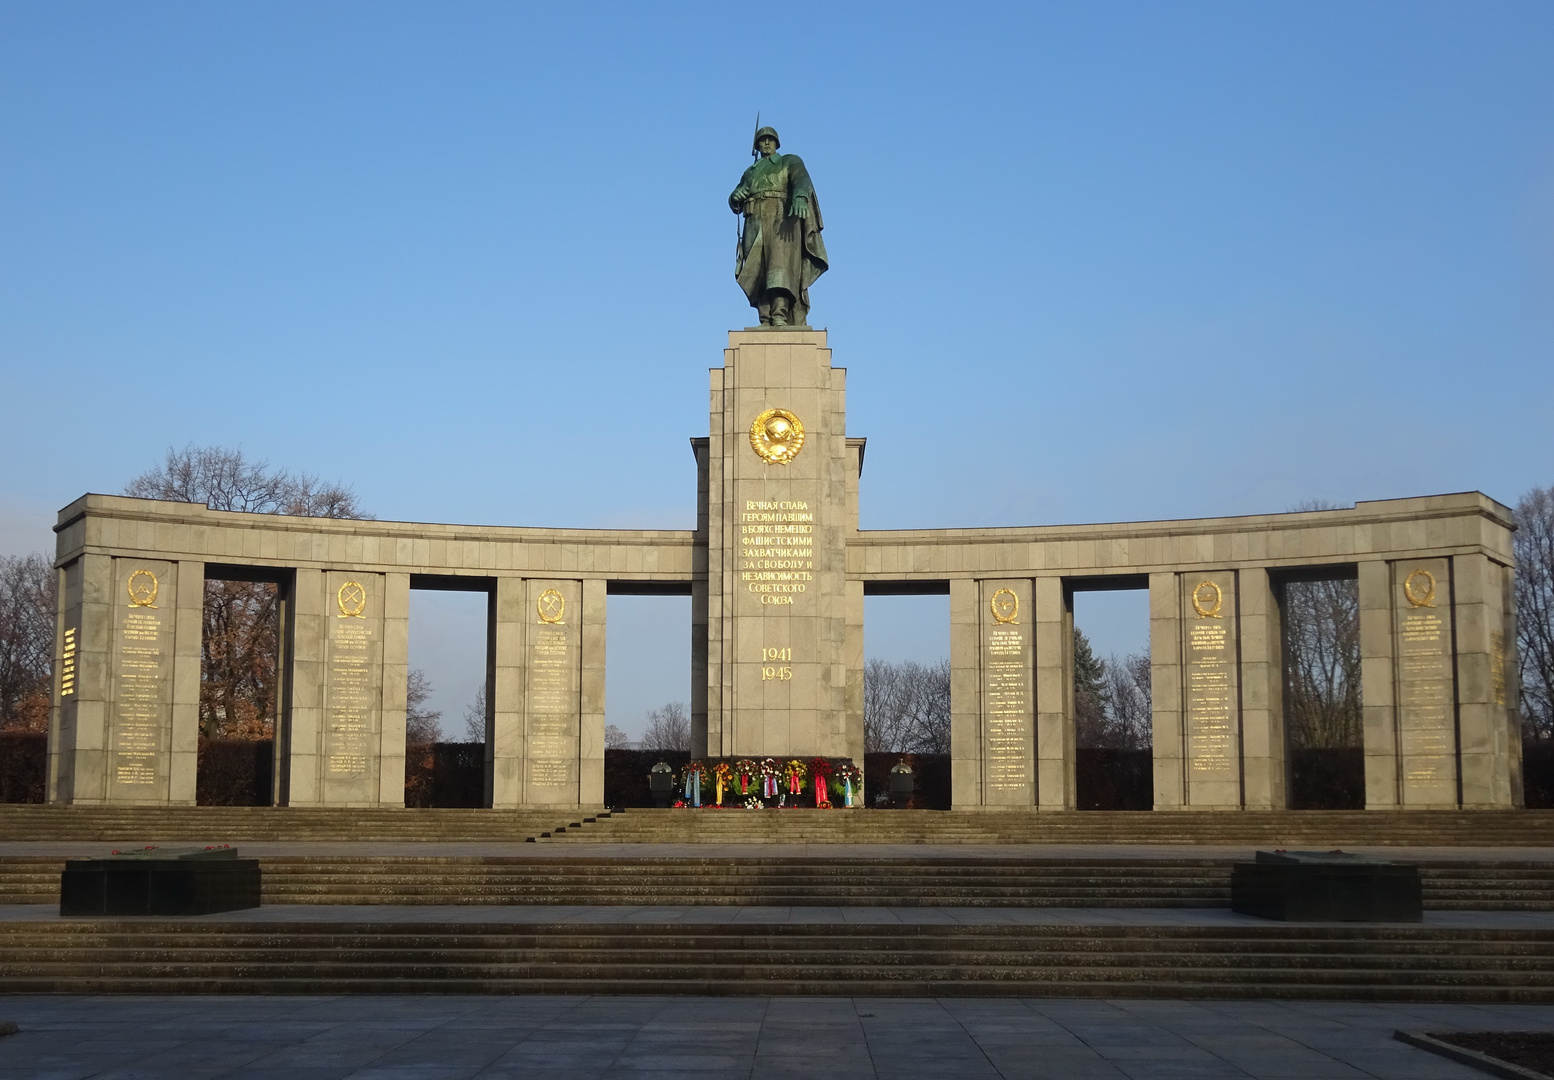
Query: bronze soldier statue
(780,250)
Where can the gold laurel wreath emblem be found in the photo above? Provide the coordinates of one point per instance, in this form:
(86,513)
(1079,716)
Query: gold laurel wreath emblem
(1413,595)
(142,588)
(777,436)
(1005,606)
(352,600)
(1207,608)
(551,606)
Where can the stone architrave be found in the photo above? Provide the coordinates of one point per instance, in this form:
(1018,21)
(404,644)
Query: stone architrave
(1211,705)
(1426,683)
(553,706)
(777,519)
(352,722)
(1006,629)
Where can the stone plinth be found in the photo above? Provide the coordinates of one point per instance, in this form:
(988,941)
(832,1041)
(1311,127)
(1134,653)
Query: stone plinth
(1310,886)
(777,511)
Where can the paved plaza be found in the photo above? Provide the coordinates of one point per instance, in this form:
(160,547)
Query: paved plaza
(559,1038)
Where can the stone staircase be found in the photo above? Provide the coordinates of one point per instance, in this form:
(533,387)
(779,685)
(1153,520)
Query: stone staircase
(229,824)
(1324,829)
(830,881)
(1348,962)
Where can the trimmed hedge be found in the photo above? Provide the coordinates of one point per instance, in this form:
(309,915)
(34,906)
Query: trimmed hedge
(24,758)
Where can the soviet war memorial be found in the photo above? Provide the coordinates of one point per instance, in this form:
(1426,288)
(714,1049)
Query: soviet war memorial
(1238,779)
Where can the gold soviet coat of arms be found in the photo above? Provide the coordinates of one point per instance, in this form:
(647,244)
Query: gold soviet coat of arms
(777,436)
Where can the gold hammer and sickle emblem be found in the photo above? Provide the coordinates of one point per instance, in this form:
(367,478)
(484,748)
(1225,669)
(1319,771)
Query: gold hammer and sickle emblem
(1419,588)
(551,606)
(142,588)
(1005,606)
(352,599)
(1206,600)
(777,436)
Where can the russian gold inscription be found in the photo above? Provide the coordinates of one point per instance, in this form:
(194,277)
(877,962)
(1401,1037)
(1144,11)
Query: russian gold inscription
(552,701)
(1425,716)
(67,664)
(777,436)
(140,694)
(1006,710)
(776,548)
(351,691)
(1497,667)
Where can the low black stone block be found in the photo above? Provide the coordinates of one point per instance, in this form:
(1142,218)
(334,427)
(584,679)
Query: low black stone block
(156,882)
(1313,886)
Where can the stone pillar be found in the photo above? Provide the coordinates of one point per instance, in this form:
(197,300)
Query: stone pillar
(1008,626)
(303,710)
(1211,701)
(396,675)
(1377,689)
(553,703)
(125,726)
(1262,692)
(590,767)
(352,722)
(1165,694)
(1053,615)
(966,762)
(777,522)
(504,730)
(1426,683)
(855,661)
(1491,743)
(78,724)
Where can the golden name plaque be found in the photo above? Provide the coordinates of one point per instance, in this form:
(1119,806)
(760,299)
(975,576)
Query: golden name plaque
(142,588)
(1005,606)
(1207,599)
(777,436)
(1419,588)
(352,600)
(551,606)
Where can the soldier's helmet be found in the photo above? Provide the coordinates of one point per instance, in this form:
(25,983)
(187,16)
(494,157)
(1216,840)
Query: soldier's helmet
(755,144)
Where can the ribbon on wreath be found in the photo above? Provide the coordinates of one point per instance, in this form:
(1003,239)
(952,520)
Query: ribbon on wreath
(820,790)
(720,791)
(795,785)
(768,787)
(693,787)
(847,792)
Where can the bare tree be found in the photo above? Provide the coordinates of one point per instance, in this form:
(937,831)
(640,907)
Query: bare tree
(475,717)
(1534,546)
(241,642)
(422,727)
(27,592)
(906,707)
(1322,663)
(668,728)
(615,738)
(1128,721)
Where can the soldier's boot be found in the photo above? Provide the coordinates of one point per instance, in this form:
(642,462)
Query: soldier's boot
(780,310)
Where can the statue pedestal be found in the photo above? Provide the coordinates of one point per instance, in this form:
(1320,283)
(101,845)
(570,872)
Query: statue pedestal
(778,631)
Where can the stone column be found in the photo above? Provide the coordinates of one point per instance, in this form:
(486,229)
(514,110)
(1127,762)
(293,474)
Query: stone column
(1211,702)
(1053,615)
(1484,606)
(1262,692)
(188,655)
(1426,683)
(966,762)
(1165,694)
(553,705)
(1377,656)
(1008,626)
(855,660)
(351,735)
(396,675)
(303,710)
(504,732)
(777,524)
(78,726)
(590,780)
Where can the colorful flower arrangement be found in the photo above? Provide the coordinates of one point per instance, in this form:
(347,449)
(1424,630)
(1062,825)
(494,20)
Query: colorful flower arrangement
(820,769)
(770,771)
(851,779)
(722,773)
(754,803)
(795,771)
(748,773)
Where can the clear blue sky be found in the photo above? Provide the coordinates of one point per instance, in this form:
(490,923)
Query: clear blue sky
(1091,262)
